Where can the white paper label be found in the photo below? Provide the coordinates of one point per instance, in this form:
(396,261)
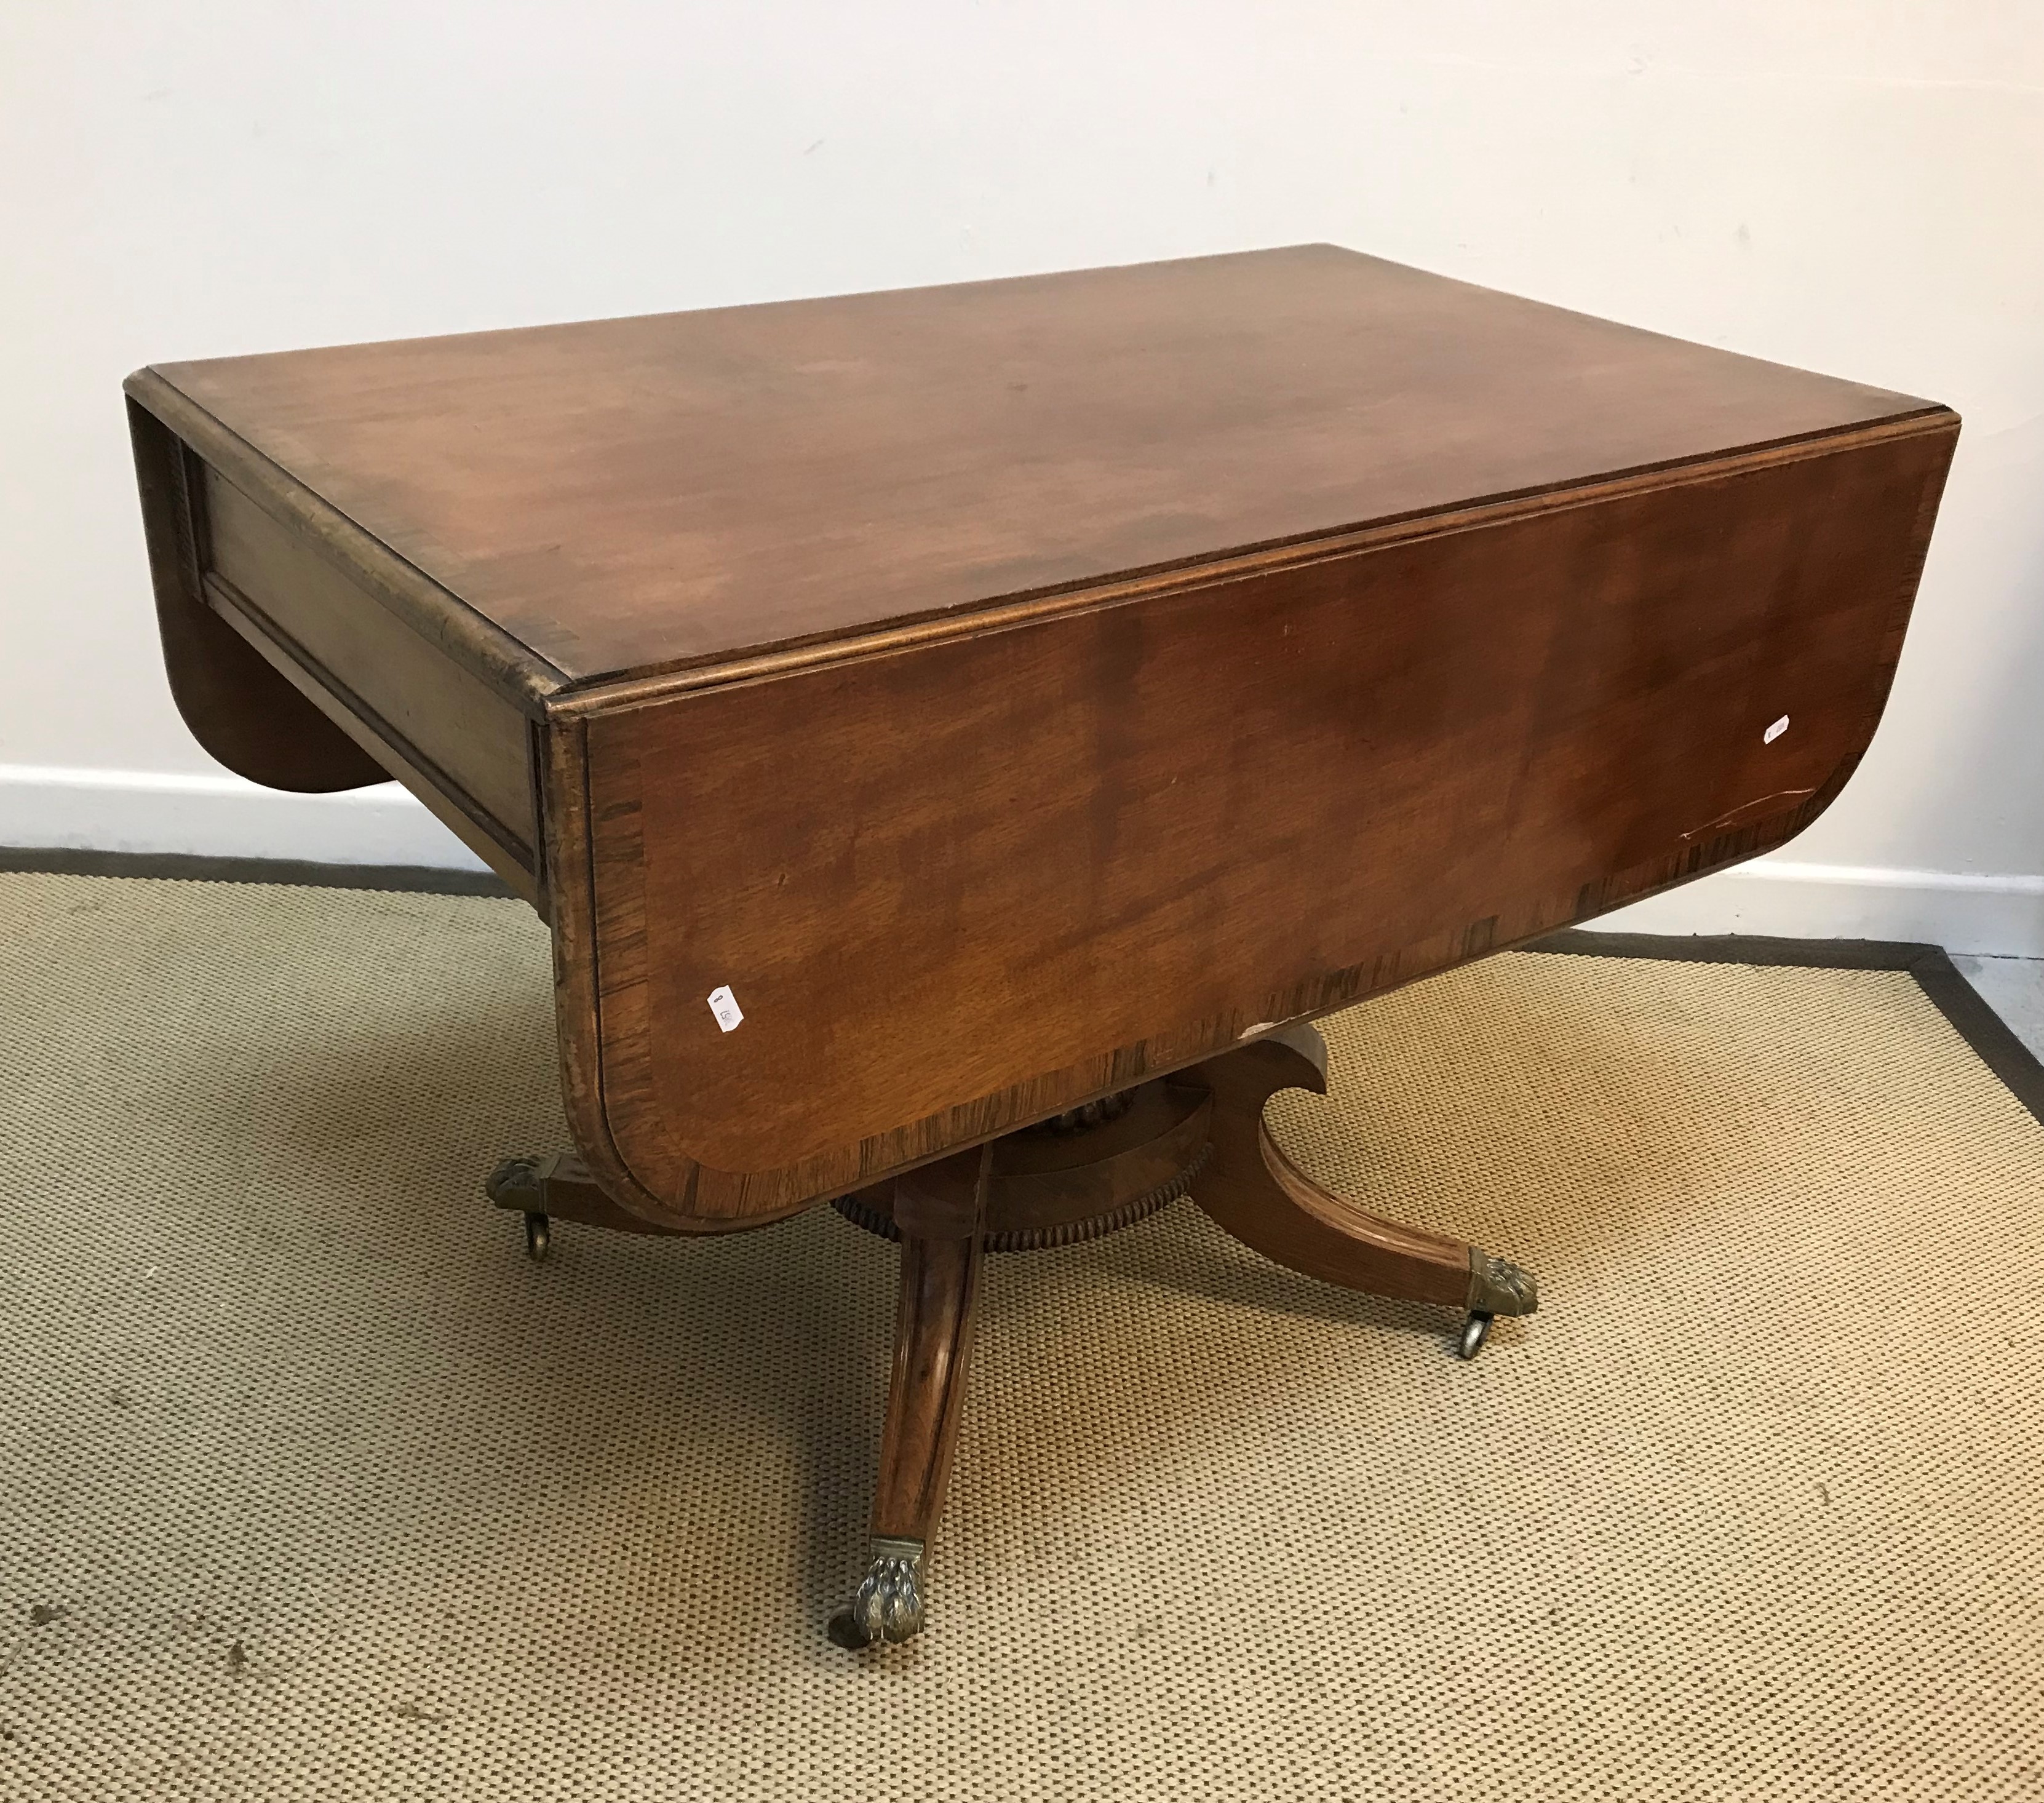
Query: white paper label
(1775,732)
(723,1004)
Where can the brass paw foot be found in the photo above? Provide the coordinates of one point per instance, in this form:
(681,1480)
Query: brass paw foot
(889,1605)
(517,1183)
(1496,1287)
(520,1183)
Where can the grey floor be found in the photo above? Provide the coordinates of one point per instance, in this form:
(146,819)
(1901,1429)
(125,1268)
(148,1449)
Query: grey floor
(2014,988)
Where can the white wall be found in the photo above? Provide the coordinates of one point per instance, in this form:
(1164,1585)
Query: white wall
(1853,186)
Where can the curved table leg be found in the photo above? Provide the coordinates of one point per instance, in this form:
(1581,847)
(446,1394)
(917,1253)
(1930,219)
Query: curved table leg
(941,1210)
(1251,1189)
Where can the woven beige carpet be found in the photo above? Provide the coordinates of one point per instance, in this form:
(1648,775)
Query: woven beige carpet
(312,1487)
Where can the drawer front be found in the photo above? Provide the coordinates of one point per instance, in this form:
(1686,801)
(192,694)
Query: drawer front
(406,695)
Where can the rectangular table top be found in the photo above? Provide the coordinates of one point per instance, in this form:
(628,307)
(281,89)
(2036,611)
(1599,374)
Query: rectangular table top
(1013,691)
(633,496)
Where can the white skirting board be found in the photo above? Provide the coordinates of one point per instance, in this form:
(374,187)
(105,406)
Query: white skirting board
(221,816)
(1992,915)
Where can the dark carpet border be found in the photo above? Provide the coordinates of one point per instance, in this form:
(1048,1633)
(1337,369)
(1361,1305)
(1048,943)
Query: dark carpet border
(1991,1037)
(1993,1041)
(406,879)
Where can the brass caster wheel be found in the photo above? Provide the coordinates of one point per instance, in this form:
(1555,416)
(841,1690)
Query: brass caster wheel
(539,1235)
(1476,1330)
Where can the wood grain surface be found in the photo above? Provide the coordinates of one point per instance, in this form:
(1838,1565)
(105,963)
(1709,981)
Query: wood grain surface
(636,494)
(241,710)
(438,715)
(957,888)
(1017,689)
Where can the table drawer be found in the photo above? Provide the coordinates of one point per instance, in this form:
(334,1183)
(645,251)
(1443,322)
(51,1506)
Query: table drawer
(432,723)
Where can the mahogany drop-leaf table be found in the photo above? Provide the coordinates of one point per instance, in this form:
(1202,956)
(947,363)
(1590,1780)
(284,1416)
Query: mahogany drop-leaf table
(960,738)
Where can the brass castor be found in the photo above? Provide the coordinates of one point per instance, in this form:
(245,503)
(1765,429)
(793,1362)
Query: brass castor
(889,1605)
(1496,1286)
(518,1183)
